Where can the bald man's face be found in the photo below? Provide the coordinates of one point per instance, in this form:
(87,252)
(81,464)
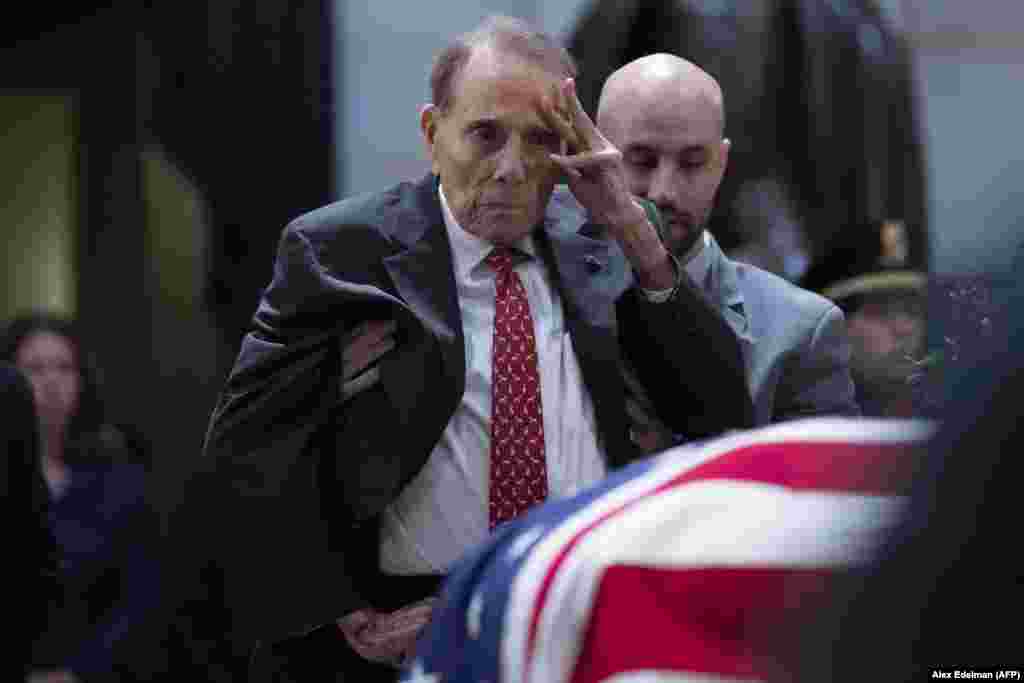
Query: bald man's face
(674,154)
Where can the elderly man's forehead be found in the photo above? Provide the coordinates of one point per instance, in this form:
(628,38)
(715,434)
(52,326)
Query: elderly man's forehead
(520,75)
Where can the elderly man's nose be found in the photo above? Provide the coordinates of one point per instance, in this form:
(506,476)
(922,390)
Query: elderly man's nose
(511,165)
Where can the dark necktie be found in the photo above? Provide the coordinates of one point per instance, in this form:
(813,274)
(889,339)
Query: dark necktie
(519,477)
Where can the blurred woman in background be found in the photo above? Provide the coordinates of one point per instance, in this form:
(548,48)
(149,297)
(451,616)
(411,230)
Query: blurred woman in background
(105,528)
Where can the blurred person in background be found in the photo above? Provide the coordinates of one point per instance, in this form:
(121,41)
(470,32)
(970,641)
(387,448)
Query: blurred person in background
(24,505)
(931,596)
(909,328)
(887,327)
(65,382)
(106,530)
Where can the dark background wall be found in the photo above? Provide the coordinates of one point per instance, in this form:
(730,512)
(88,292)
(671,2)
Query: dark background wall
(197,131)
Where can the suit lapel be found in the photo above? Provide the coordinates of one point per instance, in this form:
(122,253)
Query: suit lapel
(591,270)
(423,277)
(724,289)
(590,274)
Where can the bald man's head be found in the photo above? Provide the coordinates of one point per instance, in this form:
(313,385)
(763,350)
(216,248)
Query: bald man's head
(666,116)
(659,77)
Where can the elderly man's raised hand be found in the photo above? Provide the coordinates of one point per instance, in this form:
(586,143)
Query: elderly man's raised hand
(597,179)
(593,165)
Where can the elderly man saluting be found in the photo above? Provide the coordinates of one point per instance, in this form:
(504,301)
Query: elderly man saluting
(432,360)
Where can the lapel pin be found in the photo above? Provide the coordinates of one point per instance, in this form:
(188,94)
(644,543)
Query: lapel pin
(593,263)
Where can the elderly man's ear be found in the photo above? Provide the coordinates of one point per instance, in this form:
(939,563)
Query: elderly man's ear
(429,115)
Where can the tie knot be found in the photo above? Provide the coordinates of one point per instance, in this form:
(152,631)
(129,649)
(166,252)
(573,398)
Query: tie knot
(502,259)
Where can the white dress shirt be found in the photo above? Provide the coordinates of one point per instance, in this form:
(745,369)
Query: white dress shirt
(443,511)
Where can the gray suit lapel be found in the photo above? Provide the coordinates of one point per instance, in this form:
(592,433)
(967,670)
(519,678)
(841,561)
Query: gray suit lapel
(591,269)
(590,274)
(724,288)
(424,278)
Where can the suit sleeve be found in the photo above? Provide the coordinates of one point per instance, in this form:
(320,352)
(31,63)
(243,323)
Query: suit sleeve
(819,382)
(688,360)
(279,541)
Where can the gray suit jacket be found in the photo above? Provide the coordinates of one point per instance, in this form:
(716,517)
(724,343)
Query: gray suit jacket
(794,341)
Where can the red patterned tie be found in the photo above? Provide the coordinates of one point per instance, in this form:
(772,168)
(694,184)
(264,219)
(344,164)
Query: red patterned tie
(519,476)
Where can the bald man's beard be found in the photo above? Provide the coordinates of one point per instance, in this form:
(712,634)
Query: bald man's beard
(680,232)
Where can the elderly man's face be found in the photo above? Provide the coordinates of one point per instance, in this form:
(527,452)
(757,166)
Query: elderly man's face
(674,155)
(491,147)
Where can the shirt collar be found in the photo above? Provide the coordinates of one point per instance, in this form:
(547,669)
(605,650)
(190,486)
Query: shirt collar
(697,262)
(468,250)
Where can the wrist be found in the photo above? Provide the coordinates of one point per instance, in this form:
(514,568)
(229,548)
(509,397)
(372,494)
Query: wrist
(656,271)
(630,220)
(639,238)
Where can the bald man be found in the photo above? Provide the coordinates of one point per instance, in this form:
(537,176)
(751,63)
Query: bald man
(666,117)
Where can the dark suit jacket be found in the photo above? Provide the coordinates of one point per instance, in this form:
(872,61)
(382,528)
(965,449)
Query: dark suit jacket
(299,478)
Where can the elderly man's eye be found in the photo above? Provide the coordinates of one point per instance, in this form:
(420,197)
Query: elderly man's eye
(485,134)
(547,139)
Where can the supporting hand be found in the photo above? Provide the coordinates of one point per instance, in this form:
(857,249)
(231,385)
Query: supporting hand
(388,637)
(363,347)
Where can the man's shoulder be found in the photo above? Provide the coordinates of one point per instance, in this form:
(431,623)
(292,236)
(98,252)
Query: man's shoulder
(374,214)
(777,293)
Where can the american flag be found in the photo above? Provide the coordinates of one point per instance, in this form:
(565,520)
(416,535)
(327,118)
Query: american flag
(679,568)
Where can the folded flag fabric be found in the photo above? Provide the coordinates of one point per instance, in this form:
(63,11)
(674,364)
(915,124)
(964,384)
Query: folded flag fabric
(683,567)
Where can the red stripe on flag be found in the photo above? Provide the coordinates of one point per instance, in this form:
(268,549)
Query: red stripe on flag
(726,622)
(881,469)
(846,467)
